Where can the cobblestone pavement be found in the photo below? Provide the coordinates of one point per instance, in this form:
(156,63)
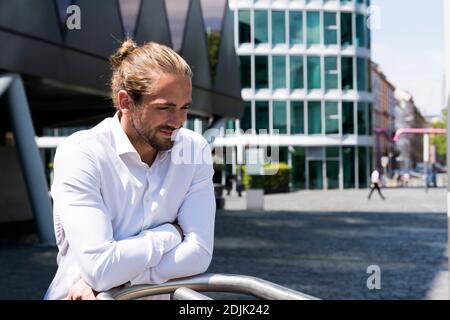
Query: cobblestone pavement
(320,243)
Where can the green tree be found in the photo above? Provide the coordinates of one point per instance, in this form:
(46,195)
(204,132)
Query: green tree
(213,38)
(440,140)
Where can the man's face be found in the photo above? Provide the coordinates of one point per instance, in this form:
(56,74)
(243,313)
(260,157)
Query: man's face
(157,117)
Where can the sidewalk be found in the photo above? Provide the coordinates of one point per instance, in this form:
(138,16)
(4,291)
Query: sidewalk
(317,242)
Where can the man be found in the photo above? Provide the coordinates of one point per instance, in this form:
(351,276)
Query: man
(375,179)
(127,210)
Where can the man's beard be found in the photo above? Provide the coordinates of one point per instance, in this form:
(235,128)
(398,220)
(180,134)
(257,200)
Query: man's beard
(150,137)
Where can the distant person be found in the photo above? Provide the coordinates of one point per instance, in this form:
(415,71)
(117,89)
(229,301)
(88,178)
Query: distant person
(375,184)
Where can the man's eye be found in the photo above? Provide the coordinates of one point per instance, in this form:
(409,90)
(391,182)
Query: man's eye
(163,108)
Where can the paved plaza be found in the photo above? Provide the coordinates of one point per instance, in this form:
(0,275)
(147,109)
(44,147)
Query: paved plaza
(317,242)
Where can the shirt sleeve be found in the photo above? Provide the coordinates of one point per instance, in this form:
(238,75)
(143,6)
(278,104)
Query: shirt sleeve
(196,217)
(103,261)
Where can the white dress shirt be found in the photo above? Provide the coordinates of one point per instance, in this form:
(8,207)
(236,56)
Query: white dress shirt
(113,214)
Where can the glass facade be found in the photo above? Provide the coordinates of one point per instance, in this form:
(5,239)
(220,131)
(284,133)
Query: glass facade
(314,117)
(244,26)
(298,168)
(278,27)
(348,122)
(347,73)
(246,71)
(315,169)
(360,31)
(362,68)
(279,72)
(330,28)
(297,117)
(348,159)
(331,73)
(346,29)
(314,78)
(261,27)
(325,84)
(262,116)
(295,27)
(331,118)
(363,168)
(313,25)
(246,121)
(261,72)
(279,116)
(297,72)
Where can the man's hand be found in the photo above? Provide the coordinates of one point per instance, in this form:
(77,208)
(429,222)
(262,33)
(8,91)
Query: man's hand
(81,291)
(176,225)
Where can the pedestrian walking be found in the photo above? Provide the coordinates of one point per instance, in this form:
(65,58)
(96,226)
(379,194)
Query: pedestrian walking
(375,184)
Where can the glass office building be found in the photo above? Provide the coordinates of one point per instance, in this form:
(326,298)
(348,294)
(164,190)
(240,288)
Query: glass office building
(305,68)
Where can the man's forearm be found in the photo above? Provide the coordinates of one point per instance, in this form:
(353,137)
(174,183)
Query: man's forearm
(187,259)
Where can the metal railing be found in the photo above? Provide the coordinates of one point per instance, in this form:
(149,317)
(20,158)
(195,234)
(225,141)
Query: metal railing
(186,288)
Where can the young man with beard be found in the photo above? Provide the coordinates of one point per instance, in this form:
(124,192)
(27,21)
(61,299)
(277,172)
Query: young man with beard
(126,210)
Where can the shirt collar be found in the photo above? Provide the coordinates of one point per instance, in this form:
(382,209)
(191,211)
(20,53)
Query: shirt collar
(122,143)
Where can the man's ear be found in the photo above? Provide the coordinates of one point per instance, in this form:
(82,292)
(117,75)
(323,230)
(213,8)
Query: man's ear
(124,102)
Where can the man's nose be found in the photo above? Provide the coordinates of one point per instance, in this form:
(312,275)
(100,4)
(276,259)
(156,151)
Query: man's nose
(176,119)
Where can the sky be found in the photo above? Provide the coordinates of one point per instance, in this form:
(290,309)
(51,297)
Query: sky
(409,47)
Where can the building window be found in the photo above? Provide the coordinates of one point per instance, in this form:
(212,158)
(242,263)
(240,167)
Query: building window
(261,72)
(348,123)
(332,174)
(362,168)
(331,118)
(295,27)
(363,119)
(360,31)
(348,160)
(362,74)
(296,69)
(279,116)
(314,118)
(314,80)
(261,27)
(244,26)
(315,168)
(262,116)
(246,122)
(330,28)
(298,168)
(297,117)
(347,73)
(369,119)
(246,71)
(313,24)
(346,29)
(331,73)
(279,72)
(278,27)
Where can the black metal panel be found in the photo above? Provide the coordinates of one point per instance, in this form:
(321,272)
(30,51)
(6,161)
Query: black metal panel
(35,18)
(153,13)
(31,56)
(101,27)
(195,51)
(228,81)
